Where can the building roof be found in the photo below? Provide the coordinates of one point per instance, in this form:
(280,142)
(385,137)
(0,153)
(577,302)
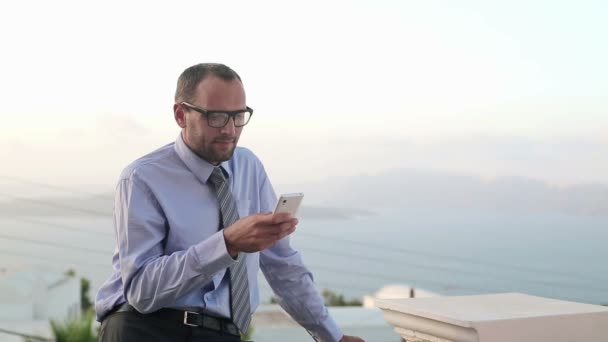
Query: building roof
(23,283)
(402,291)
(9,294)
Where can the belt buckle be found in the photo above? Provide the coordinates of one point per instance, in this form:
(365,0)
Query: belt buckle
(186,318)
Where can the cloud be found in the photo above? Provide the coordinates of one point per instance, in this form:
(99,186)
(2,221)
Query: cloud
(121,127)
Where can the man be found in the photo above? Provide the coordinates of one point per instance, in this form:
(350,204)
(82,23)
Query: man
(193,226)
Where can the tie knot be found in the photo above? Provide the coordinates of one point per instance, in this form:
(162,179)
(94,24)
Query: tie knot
(217,176)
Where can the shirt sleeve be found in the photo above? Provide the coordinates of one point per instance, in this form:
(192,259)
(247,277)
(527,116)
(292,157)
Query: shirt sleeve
(292,282)
(152,280)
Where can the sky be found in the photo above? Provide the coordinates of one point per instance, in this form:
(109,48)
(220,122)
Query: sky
(487,88)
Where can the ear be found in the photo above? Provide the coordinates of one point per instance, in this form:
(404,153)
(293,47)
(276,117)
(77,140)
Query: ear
(180,115)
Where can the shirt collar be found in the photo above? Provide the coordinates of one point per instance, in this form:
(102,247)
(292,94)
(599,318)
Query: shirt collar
(201,168)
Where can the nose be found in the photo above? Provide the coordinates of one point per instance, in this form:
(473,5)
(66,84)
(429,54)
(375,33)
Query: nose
(229,128)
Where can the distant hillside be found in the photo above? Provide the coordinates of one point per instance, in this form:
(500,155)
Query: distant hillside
(436,189)
(347,197)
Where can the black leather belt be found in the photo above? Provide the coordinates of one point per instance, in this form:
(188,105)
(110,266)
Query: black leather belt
(191,318)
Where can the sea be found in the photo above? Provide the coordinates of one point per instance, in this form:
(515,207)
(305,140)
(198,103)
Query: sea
(449,252)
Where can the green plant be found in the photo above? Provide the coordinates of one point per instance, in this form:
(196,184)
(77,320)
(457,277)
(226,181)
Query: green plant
(247,335)
(334,299)
(75,330)
(85,302)
(331,299)
(85,286)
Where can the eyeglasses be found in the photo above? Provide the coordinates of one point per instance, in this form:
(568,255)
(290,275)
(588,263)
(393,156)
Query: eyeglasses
(219,118)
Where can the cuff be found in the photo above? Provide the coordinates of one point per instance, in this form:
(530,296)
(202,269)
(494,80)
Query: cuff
(327,331)
(212,253)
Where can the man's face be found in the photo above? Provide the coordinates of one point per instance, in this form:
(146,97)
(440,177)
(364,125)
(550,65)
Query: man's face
(215,145)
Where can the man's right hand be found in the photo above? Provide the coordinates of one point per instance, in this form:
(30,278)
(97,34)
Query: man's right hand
(258,232)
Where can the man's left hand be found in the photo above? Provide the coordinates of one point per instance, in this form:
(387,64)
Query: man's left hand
(351,339)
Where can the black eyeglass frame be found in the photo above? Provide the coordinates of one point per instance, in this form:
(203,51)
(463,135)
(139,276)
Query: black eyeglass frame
(231,114)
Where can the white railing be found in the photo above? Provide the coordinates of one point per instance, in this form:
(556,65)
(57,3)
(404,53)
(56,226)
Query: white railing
(504,317)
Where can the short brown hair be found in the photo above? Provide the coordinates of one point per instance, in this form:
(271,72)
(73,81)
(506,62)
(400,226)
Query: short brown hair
(191,77)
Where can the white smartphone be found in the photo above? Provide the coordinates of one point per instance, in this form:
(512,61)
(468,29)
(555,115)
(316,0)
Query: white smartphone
(289,203)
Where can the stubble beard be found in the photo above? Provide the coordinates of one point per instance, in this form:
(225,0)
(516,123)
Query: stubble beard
(214,154)
(210,151)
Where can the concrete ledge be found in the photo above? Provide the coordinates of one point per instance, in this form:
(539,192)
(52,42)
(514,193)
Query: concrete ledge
(504,317)
(420,327)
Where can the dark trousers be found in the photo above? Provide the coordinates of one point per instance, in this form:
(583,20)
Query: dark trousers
(136,327)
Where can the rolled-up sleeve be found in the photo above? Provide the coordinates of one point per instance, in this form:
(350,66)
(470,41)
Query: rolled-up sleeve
(293,283)
(151,279)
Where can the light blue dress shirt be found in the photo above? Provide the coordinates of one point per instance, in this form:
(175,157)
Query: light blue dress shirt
(170,253)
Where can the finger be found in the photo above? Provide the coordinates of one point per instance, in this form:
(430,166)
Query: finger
(287,232)
(289,224)
(261,219)
(272,233)
(281,217)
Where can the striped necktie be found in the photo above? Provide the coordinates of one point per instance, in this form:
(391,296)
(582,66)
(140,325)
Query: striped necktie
(239,287)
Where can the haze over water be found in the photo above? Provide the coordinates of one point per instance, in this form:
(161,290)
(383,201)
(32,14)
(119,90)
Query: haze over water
(458,147)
